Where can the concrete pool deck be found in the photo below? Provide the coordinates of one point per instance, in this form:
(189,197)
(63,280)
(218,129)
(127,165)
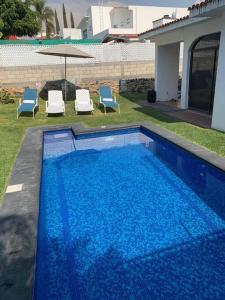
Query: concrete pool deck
(19,212)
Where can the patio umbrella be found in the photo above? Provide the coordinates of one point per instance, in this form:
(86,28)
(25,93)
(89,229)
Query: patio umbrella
(65,51)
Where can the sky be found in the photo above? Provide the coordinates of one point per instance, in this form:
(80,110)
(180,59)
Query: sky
(79,7)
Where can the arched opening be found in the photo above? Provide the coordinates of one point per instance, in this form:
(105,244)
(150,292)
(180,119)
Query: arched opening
(204,57)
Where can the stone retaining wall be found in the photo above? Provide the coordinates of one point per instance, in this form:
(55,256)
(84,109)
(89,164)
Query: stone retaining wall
(76,74)
(121,76)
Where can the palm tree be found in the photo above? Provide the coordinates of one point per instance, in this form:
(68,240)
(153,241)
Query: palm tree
(45,16)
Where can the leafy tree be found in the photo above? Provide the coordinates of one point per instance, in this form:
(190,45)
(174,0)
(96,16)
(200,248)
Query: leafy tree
(72,20)
(1,27)
(45,16)
(17,18)
(57,27)
(64,17)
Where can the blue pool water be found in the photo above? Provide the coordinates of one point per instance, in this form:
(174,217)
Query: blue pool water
(128,215)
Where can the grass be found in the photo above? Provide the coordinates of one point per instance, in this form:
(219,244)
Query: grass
(12,130)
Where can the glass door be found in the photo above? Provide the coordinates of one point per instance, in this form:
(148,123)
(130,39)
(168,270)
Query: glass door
(203,73)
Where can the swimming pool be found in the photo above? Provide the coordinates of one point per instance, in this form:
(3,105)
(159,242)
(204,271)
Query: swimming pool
(128,215)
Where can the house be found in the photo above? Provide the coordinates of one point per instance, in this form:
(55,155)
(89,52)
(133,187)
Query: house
(71,34)
(202,33)
(108,22)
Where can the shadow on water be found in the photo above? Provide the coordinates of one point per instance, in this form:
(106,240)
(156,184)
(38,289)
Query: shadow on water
(192,270)
(16,257)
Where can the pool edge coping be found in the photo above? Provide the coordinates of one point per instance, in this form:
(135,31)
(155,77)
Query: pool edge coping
(25,204)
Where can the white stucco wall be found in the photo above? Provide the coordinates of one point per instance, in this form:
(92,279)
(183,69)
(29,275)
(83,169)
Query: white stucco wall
(167,71)
(189,35)
(72,33)
(145,15)
(218,120)
(140,18)
(121,17)
(99,20)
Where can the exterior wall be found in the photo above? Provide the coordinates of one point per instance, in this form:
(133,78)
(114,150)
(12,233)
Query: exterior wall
(26,55)
(189,35)
(161,22)
(29,76)
(140,18)
(121,17)
(167,74)
(145,15)
(95,23)
(72,33)
(218,120)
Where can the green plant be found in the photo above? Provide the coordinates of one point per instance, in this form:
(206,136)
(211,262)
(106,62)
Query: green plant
(5,97)
(64,17)
(72,20)
(57,26)
(17,17)
(45,16)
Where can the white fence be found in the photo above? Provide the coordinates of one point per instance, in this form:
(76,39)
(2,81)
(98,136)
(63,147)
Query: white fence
(26,55)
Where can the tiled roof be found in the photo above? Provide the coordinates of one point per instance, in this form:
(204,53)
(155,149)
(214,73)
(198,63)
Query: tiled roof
(167,24)
(202,4)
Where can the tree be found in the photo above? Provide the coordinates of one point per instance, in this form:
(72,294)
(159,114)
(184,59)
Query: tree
(17,18)
(64,17)
(72,20)
(57,27)
(1,27)
(45,16)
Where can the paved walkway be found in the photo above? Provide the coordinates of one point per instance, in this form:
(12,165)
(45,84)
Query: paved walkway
(171,108)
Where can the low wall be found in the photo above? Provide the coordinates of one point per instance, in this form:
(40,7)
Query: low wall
(76,74)
(121,76)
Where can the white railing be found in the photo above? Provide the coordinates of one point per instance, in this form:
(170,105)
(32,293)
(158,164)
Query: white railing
(26,55)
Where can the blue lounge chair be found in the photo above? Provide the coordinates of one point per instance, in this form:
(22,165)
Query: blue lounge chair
(29,103)
(106,98)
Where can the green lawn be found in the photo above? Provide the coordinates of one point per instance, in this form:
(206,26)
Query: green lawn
(12,130)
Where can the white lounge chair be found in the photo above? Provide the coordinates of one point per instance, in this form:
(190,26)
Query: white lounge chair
(83,102)
(55,103)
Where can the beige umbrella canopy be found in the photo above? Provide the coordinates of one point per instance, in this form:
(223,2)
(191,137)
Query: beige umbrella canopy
(65,51)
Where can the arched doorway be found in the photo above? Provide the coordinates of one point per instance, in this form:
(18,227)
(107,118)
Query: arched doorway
(204,57)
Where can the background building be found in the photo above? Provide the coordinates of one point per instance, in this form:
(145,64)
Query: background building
(103,21)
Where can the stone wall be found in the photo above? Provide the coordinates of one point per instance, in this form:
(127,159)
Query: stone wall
(121,76)
(76,74)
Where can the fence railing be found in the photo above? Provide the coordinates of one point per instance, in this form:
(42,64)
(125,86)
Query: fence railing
(26,55)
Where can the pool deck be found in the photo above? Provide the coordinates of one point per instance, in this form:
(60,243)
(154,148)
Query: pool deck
(19,212)
(172,109)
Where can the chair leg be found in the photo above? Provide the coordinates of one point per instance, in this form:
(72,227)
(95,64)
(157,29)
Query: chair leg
(105,109)
(17,115)
(119,109)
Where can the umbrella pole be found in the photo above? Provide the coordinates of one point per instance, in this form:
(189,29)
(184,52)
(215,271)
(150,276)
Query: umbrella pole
(65,81)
